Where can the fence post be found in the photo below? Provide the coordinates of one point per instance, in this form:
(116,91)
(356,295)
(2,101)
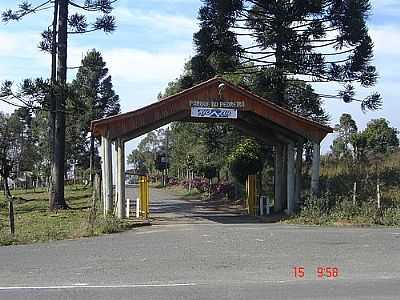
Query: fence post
(137,207)
(128,206)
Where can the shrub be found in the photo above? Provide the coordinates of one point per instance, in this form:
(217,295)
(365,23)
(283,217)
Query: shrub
(246,159)
(391,216)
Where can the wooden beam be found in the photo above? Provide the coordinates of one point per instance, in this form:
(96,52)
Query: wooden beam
(153,126)
(267,137)
(283,134)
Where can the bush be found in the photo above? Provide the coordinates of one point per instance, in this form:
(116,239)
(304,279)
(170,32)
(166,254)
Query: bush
(246,159)
(330,209)
(110,224)
(201,184)
(223,189)
(391,216)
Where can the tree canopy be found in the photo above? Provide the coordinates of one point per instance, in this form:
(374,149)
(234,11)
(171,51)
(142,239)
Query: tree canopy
(315,41)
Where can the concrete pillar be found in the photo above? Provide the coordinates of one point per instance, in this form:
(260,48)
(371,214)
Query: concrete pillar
(278,201)
(284,176)
(103,173)
(116,172)
(315,170)
(108,180)
(121,206)
(290,179)
(299,168)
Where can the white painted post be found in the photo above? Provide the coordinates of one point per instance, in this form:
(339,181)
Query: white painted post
(116,172)
(290,179)
(120,179)
(262,198)
(103,175)
(378,192)
(137,207)
(315,170)
(108,177)
(268,206)
(128,207)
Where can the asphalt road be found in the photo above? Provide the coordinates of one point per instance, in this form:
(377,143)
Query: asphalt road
(198,252)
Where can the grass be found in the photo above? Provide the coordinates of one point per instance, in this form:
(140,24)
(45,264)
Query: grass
(184,194)
(344,213)
(34,223)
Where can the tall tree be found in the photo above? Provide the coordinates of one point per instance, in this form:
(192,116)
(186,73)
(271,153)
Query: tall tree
(346,131)
(94,98)
(380,137)
(316,41)
(11,148)
(57,44)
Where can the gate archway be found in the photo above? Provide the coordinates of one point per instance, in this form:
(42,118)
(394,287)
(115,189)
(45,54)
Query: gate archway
(215,100)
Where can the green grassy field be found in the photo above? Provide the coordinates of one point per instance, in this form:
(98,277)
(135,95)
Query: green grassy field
(34,222)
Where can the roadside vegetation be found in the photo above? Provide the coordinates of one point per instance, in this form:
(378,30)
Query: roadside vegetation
(360,178)
(35,223)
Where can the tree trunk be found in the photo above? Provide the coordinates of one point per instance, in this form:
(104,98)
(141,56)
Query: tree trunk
(52,107)
(59,141)
(279,76)
(10,205)
(7,192)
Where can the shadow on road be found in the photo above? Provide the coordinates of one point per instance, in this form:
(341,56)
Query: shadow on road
(167,208)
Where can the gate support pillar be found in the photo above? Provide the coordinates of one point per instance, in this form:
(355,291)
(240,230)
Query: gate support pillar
(299,168)
(107,173)
(278,201)
(315,170)
(121,213)
(290,179)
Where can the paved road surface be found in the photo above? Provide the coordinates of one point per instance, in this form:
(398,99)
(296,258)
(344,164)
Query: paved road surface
(200,253)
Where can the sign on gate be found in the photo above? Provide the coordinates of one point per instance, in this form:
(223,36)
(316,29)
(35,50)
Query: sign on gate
(214,113)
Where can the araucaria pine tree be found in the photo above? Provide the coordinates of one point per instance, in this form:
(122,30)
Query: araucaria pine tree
(55,41)
(312,40)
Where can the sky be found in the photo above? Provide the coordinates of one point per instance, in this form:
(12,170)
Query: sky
(153,41)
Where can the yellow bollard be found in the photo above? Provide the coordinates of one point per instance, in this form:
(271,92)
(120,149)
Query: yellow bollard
(147,197)
(144,195)
(251,192)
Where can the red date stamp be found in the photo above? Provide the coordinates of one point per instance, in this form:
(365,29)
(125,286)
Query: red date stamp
(321,272)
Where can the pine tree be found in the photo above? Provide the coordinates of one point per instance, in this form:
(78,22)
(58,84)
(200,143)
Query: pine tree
(55,41)
(94,98)
(313,40)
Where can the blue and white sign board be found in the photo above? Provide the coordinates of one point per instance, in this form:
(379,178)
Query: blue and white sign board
(214,113)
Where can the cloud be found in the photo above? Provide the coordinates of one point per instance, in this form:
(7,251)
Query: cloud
(163,23)
(386,39)
(138,66)
(386,7)
(21,44)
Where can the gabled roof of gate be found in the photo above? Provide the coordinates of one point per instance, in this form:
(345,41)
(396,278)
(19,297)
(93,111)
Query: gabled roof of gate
(178,107)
